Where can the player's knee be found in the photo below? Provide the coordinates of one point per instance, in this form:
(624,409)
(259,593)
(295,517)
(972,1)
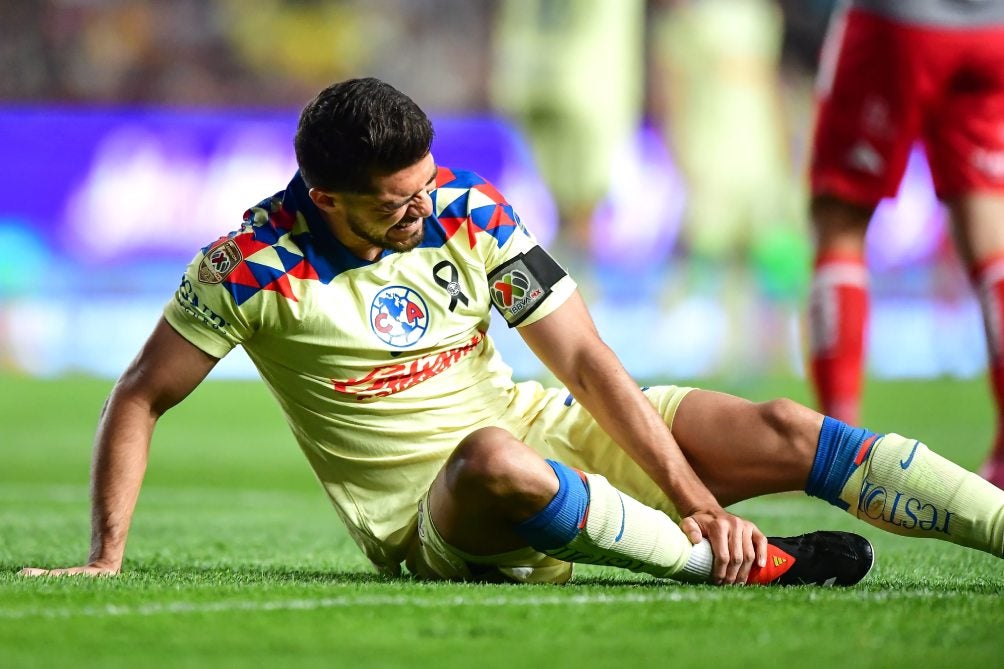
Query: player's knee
(485,462)
(837,221)
(796,428)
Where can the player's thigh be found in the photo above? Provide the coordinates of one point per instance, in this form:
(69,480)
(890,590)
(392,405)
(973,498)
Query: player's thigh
(978,222)
(741,449)
(963,138)
(869,110)
(564,431)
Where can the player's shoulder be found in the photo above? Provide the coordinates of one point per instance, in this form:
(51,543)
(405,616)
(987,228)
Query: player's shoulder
(456,182)
(276,250)
(263,227)
(464,201)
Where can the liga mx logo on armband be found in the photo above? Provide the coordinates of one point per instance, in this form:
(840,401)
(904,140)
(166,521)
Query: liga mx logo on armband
(399,316)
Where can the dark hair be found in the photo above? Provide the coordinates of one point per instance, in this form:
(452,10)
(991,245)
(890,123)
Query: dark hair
(358,129)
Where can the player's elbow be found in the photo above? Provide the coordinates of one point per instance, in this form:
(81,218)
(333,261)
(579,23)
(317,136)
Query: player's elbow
(591,371)
(135,391)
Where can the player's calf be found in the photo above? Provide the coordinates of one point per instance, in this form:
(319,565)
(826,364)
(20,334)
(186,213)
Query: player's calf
(900,485)
(589,521)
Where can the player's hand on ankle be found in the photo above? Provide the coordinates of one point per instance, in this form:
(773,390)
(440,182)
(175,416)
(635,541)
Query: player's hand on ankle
(737,544)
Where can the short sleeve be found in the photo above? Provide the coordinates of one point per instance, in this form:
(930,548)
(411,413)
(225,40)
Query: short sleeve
(204,312)
(524,281)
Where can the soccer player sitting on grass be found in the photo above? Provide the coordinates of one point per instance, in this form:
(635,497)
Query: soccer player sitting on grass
(362,294)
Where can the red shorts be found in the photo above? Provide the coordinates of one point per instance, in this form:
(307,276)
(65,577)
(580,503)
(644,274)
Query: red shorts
(883,85)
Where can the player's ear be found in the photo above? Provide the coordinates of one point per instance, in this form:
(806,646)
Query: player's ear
(325,201)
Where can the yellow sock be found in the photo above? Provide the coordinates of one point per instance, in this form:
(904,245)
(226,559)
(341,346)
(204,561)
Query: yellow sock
(904,487)
(620,531)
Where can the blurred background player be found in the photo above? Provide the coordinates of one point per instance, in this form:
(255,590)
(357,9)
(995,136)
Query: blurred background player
(717,91)
(571,75)
(893,73)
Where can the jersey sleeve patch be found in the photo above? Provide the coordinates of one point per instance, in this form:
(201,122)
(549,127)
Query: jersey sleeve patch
(521,284)
(219,262)
(205,317)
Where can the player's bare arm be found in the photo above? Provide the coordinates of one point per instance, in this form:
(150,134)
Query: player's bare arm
(568,343)
(166,370)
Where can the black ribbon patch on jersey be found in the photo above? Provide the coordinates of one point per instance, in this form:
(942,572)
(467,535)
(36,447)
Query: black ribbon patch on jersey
(451,284)
(522,284)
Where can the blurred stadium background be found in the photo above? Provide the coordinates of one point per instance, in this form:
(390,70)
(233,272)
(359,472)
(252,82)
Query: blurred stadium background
(657,147)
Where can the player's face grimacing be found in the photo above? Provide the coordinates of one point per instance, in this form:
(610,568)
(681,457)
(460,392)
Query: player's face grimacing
(392,216)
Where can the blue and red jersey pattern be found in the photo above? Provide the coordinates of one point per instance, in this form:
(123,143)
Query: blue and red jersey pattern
(381,367)
(479,208)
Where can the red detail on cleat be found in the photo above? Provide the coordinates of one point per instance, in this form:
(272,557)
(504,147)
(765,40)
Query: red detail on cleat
(778,562)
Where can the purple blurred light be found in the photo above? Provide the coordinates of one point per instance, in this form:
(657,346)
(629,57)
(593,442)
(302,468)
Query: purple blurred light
(910,228)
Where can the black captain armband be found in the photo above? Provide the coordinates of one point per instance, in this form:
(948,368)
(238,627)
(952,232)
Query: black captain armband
(521,284)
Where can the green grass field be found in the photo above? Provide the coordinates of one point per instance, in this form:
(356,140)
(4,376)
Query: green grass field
(236,559)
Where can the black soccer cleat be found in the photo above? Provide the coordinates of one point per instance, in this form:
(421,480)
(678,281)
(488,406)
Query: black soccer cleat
(817,558)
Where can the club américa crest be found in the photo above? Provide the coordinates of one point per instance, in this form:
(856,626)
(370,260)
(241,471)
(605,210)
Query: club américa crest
(399,316)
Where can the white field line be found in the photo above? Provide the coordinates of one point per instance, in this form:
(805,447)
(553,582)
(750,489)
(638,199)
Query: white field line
(454,601)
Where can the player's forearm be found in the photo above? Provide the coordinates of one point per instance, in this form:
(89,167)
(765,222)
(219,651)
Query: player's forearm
(119,463)
(604,388)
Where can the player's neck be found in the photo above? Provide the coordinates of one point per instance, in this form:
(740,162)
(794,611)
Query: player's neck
(357,246)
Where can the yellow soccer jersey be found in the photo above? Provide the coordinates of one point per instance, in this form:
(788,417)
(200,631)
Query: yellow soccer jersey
(380,367)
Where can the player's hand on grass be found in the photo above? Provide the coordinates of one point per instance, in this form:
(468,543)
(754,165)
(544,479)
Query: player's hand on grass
(736,543)
(92,569)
